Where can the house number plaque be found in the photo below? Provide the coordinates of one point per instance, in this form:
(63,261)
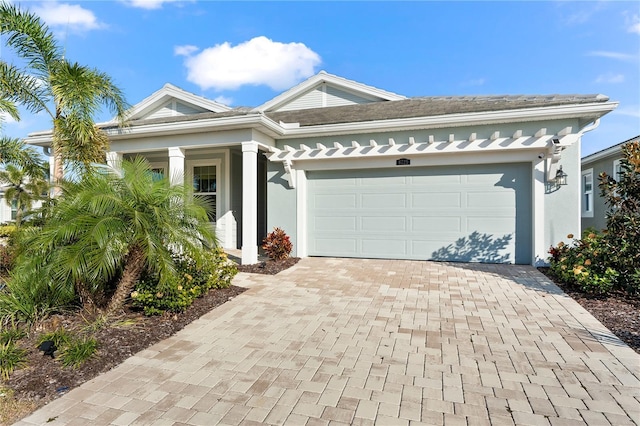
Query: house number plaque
(403,162)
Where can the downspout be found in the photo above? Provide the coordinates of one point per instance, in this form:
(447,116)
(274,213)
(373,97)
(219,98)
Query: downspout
(588,128)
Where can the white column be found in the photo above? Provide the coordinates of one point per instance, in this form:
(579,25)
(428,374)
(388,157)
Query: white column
(538,233)
(249,203)
(114,159)
(176,165)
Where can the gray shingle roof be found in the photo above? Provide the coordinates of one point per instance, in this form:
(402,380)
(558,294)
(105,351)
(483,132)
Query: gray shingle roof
(388,110)
(426,107)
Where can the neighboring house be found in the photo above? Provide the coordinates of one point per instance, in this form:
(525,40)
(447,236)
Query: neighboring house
(349,170)
(593,207)
(7,210)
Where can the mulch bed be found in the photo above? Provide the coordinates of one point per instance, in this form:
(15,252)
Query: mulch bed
(269,267)
(618,311)
(44,378)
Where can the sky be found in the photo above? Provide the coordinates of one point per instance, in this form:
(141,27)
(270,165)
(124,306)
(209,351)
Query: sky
(244,53)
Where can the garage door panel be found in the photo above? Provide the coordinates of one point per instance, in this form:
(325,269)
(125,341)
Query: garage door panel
(380,248)
(385,181)
(427,200)
(383,200)
(335,223)
(436,224)
(335,201)
(430,180)
(457,213)
(388,223)
(490,199)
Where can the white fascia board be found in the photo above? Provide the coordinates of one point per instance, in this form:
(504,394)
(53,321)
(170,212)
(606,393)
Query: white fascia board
(261,122)
(169,91)
(324,77)
(594,110)
(256,121)
(613,151)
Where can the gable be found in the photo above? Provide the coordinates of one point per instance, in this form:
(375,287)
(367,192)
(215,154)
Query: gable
(326,90)
(326,95)
(171,101)
(174,108)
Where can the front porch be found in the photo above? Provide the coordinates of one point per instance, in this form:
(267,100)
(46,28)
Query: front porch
(232,179)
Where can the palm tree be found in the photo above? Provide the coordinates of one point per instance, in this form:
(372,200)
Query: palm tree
(111,226)
(21,188)
(71,94)
(15,151)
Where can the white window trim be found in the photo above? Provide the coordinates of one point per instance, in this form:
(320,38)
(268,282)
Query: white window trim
(616,165)
(587,211)
(217,163)
(159,165)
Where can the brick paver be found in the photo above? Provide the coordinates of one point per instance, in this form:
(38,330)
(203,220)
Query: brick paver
(344,341)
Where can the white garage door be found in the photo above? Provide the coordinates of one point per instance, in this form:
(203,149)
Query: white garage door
(478,213)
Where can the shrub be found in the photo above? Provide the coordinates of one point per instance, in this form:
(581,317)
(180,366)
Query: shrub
(30,295)
(195,278)
(78,351)
(60,337)
(277,245)
(584,263)
(7,231)
(622,196)
(11,335)
(11,358)
(7,259)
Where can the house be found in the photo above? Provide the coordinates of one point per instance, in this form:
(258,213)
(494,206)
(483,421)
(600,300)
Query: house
(593,207)
(350,170)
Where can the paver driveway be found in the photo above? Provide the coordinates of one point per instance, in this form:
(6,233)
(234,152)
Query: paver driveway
(337,341)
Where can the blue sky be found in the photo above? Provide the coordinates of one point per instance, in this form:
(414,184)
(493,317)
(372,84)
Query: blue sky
(245,53)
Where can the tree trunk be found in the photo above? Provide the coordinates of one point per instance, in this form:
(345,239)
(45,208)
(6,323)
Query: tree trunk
(133,267)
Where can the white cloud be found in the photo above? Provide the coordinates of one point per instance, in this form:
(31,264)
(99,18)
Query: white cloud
(612,55)
(185,50)
(70,16)
(633,24)
(224,100)
(148,4)
(259,61)
(610,78)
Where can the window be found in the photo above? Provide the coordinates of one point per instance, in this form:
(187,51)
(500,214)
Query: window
(617,169)
(205,187)
(587,193)
(14,209)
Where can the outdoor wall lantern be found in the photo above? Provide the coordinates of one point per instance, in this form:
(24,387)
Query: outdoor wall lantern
(561,177)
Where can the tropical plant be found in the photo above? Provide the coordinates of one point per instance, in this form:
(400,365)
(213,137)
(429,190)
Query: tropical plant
(11,334)
(30,295)
(584,263)
(15,151)
(194,279)
(622,196)
(11,358)
(111,226)
(599,262)
(79,350)
(22,189)
(277,245)
(60,337)
(70,93)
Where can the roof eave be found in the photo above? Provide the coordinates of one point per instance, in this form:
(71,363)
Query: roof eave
(589,111)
